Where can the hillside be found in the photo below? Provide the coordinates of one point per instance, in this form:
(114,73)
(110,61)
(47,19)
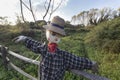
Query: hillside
(80,41)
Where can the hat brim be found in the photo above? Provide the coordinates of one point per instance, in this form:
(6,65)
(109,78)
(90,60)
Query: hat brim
(54,29)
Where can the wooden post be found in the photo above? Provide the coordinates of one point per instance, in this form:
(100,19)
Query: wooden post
(4,54)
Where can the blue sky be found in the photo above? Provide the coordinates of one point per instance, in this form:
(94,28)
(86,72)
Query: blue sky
(75,6)
(70,7)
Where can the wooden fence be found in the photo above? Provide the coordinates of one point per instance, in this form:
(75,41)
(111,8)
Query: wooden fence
(5,59)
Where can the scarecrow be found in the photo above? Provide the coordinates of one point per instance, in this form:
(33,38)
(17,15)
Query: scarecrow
(55,61)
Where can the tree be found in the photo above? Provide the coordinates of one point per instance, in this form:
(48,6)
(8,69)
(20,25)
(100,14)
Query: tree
(93,15)
(74,18)
(53,9)
(119,12)
(4,21)
(105,13)
(114,14)
(49,6)
(82,17)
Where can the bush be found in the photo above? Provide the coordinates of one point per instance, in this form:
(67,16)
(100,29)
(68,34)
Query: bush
(106,36)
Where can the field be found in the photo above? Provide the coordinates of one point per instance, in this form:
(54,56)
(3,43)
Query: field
(74,43)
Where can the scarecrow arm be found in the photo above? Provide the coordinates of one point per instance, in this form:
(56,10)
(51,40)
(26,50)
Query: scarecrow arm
(35,46)
(32,44)
(76,62)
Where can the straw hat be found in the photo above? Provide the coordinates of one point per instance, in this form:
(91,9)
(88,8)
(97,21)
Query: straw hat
(56,25)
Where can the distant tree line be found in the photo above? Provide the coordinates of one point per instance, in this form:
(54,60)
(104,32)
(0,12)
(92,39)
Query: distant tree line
(95,16)
(4,21)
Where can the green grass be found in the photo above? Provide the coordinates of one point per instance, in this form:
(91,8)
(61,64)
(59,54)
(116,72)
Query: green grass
(74,43)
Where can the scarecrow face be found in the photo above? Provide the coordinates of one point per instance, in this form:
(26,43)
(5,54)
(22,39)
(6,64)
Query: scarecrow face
(52,37)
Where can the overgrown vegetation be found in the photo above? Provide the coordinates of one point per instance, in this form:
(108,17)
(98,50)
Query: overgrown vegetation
(101,39)
(106,36)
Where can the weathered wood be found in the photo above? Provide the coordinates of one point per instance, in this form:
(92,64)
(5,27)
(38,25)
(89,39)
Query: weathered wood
(4,54)
(22,72)
(0,53)
(21,57)
(19,70)
(24,58)
(88,75)
(5,47)
(78,72)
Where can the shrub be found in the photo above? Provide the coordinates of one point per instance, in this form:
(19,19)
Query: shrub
(106,36)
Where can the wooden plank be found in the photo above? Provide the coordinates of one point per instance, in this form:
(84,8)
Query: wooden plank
(89,75)
(83,73)
(19,70)
(24,58)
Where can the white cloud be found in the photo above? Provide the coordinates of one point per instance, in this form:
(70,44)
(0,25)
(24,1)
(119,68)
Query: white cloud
(40,9)
(7,8)
(11,7)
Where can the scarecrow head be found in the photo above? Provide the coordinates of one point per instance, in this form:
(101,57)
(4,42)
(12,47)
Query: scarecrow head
(55,30)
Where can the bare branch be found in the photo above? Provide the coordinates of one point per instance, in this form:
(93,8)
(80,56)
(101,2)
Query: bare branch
(32,13)
(32,10)
(53,10)
(45,5)
(22,11)
(57,6)
(25,5)
(47,9)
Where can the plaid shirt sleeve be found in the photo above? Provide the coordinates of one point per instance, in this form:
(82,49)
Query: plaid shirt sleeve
(76,62)
(35,46)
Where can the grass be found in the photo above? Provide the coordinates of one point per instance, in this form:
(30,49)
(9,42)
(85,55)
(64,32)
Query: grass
(74,43)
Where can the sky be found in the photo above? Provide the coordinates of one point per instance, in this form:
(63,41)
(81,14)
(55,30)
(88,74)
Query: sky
(69,8)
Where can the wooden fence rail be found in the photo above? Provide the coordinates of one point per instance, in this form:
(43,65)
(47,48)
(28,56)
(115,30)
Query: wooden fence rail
(6,61)
(4,51)
(19,70)
(24,58)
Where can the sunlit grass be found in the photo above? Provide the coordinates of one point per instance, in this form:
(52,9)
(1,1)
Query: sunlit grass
(74,43)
